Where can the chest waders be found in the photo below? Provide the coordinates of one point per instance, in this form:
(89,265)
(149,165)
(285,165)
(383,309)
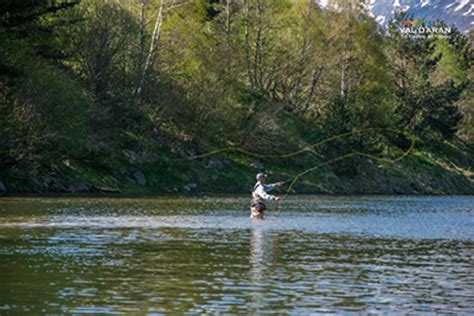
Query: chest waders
(257,207)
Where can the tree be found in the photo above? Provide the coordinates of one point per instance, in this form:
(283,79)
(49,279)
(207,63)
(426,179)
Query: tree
(425,102)
(14,13)
(97,49)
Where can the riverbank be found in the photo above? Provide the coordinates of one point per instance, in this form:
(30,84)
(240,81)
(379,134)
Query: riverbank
(445,169)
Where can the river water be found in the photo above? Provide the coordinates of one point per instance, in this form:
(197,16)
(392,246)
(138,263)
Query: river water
(203,255)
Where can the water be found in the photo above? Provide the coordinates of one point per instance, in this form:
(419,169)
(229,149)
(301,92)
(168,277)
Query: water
(313,254)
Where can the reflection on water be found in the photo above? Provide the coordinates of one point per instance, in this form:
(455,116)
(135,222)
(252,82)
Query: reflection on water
(258,255)
(391,255)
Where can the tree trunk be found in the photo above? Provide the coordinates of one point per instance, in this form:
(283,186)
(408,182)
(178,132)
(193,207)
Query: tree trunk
(302,61)
(314,83)
(343,80)
(229,41)
(142,28)
(247,44)
(258,45)
(153,46)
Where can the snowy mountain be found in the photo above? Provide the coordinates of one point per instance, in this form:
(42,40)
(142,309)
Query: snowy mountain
(457,12)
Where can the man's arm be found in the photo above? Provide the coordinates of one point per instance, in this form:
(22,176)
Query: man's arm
(273,185)
(264,195)
(270,186)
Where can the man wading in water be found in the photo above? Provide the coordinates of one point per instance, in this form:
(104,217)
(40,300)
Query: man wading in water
(259,194)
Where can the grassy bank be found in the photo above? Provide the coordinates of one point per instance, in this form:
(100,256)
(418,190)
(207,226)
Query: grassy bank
(444,169)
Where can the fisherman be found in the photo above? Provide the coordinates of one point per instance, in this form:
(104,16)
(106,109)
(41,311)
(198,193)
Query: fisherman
(259,194)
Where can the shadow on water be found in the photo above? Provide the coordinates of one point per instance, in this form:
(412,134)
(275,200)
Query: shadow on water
(204,255)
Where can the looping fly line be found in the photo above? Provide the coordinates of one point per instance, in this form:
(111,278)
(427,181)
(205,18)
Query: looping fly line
(312,146)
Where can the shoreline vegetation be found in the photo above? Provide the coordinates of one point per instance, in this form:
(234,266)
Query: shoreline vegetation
(114,97)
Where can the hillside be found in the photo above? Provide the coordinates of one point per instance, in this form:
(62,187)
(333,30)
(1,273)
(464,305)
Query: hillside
(95,100)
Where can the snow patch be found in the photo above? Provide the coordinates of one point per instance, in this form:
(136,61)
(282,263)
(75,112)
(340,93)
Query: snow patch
(380,19)
(470,11)
(450,5)
(461,5)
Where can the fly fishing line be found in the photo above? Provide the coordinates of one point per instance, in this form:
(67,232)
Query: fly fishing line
(311,147)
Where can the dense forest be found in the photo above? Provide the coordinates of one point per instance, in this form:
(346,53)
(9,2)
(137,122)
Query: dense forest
(116,96)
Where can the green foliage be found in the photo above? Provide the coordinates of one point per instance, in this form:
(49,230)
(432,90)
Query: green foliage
(17,13)
(100,49)
(430,77)
(452,65)
(83,83)
(342,116)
